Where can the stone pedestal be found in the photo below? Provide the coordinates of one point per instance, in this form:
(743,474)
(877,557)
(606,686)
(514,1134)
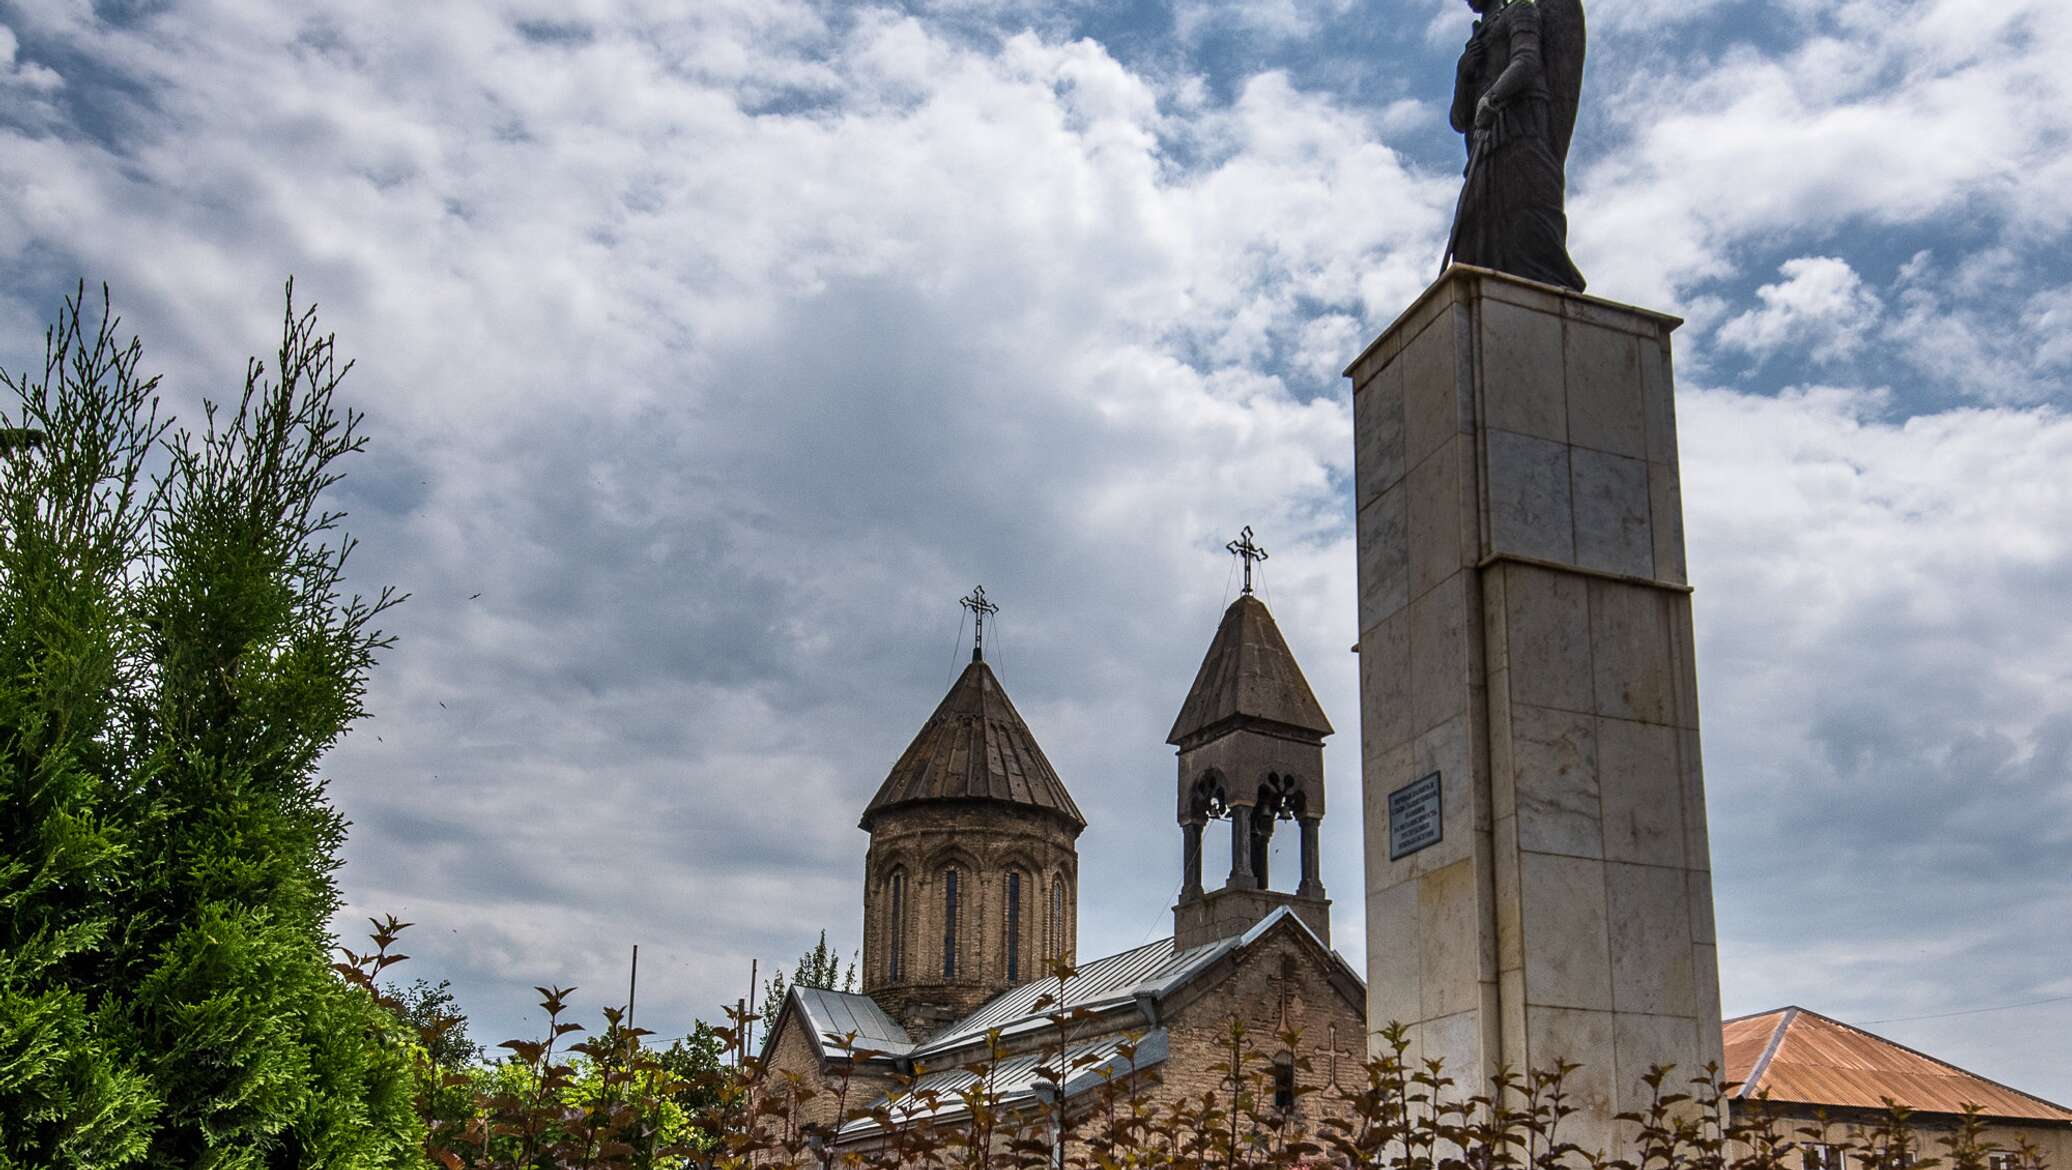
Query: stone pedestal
(1525,634)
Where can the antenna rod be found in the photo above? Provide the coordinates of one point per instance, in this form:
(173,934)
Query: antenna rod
(748,1022)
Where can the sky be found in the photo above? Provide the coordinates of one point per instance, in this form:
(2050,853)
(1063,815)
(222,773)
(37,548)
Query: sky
(710,352)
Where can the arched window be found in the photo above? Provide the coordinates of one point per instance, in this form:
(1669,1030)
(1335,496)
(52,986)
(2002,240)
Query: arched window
(895,920)
(1055,928)
(1014,927)
(949,923)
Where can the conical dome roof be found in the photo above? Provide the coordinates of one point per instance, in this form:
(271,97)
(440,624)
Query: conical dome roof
(975,747)
(1249,673)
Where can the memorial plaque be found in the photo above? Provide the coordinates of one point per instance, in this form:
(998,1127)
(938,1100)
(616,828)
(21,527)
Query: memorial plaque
(1415,820)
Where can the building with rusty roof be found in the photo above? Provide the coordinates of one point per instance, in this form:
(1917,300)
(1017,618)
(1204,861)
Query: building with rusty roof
(1810,1070)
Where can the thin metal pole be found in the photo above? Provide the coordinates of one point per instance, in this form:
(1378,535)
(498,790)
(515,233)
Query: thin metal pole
(632,986)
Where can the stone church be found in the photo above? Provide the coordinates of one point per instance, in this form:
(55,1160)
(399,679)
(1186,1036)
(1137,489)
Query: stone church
(971,897)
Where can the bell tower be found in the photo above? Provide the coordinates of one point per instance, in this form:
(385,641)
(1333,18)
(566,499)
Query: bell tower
(1251,752)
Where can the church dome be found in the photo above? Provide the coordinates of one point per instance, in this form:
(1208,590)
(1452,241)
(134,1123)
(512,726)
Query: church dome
(970,882)
(975,748)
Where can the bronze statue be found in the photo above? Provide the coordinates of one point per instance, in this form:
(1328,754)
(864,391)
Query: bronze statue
(1514,98)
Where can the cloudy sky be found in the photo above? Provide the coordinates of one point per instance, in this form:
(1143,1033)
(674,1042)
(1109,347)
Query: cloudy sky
(712,350)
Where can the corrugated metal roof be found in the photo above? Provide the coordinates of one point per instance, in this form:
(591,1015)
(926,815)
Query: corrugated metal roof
(1803,1057)
(1114,980)
(1152,969)
(839,1013)
(1015,1078)
(975,747)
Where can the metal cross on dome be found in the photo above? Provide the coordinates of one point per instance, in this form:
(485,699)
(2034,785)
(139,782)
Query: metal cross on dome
(979,607)
(1245,550)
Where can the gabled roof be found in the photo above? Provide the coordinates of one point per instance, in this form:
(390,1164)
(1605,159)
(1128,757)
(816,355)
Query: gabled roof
(938,1096)
(1802,1057)
(824,1013)
(1120,984)
(1248,673)
(1156,970)
(975,747)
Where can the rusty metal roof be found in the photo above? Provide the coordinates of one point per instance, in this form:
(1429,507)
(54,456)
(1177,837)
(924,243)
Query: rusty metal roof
(1802,1057)
(975,747)
(1248,673)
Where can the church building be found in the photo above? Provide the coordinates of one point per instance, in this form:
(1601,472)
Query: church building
(971,900)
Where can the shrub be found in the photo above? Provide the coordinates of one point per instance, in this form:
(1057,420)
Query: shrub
(610,1104)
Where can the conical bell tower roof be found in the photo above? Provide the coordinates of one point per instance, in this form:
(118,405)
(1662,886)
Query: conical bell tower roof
(1248,674)
(975,747)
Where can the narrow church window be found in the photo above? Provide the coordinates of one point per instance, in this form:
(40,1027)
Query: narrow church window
(949,924)
(1014,928)
(897,951)
(1283,1083)
(1057,919)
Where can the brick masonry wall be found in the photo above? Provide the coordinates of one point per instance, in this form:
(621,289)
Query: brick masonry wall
(1332,1032)
(795,1054)
(2053,1142)
(984,842)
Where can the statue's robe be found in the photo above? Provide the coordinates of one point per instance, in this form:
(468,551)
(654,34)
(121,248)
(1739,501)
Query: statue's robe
(1511,214)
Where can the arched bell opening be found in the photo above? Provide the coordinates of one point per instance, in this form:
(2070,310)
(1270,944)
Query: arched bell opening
(1207,801)
(1281,798)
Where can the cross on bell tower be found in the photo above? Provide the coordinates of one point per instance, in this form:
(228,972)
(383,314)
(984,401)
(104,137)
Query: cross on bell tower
(979,607)
(1246,551)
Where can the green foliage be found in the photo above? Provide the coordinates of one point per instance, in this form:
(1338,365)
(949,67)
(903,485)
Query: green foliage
(176,656)
(430,1010)
(616,1107)
(820,967)
(697,1062)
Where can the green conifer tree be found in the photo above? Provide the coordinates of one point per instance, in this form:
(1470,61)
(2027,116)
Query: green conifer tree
(176,655)
(820,966)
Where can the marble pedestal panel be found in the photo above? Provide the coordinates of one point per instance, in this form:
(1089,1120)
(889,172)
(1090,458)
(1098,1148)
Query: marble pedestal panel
(1525,634)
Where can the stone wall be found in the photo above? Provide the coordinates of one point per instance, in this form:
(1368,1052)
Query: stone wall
(985,842)
(1218,914)
(1280,967)
(1526,636)
(794,1053)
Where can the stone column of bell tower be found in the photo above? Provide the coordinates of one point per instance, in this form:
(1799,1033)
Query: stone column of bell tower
(1538,875)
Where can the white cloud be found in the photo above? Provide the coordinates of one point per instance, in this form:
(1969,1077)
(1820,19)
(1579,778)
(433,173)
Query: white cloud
(717,391)
(27,75)
(720,347)
(2014,346)
(1278,19)
(1883,668)
(1821,303)
(1713,151)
